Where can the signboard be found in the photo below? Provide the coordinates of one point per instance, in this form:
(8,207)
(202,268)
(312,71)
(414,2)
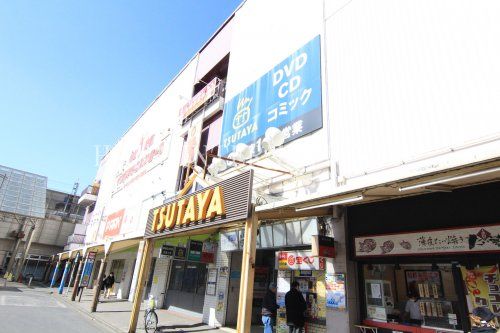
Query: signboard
(221,203)
(180,253)
(199,99)
(167,251)
(195,248)
(288,97)
(211,281)
(483,288)
(323,246)
(114,223)
(190,151)
(299,260)
(464,240)
(335,291)
(87,269)
(229,241)
(208,252)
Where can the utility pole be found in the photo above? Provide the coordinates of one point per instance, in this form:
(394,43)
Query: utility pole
(27,246)
(13,255)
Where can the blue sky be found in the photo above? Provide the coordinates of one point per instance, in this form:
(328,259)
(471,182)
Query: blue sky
(76,74)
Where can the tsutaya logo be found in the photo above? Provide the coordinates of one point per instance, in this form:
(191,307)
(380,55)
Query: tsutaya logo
(240,120)
(200,206)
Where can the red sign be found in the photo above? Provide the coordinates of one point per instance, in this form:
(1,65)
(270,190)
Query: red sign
(114,223)
(199,99)
(300,260)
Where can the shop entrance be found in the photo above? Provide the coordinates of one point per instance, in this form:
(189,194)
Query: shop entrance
(265,273)
(117,267)
(186,290)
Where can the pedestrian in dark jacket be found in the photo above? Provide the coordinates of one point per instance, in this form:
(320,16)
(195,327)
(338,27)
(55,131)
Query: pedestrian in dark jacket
(295,307)
(269,308)
(108,283)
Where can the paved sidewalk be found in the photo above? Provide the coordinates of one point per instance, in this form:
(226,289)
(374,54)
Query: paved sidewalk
(116,315)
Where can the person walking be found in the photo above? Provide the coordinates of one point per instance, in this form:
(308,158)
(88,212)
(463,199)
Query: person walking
(295,307)
(269,308)
(108,283)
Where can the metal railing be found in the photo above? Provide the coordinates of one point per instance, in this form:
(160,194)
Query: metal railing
(91,189)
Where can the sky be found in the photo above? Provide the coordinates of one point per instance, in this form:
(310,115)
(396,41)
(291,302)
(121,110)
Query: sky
(74,75)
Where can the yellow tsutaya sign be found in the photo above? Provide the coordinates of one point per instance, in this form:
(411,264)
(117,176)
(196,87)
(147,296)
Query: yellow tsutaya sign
(206,204)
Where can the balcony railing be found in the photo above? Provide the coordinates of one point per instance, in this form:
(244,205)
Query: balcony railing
(89,195)
(212,91)
(91,189)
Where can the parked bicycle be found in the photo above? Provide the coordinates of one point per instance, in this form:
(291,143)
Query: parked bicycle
(150,316)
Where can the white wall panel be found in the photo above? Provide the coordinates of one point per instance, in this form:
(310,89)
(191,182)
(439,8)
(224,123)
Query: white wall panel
(409,77)
(143,187)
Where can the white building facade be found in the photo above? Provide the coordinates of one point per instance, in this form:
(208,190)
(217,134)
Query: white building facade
(362,97)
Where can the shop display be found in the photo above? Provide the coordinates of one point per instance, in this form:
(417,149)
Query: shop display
(379,299)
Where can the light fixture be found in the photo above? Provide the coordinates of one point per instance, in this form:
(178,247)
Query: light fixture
(242,152)
(334,202)
(448,179)
(273,138)
(216,166)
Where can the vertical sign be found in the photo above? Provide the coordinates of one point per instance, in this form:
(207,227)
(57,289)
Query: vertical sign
(87,269)
(288,97)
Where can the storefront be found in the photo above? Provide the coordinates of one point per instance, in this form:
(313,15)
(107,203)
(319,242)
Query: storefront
(426,262)
(186,235)
(275,238)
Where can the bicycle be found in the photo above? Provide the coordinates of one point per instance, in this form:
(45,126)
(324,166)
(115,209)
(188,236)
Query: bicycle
(150,316)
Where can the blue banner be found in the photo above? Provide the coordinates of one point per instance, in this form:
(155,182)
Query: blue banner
(87,270)
(288,97)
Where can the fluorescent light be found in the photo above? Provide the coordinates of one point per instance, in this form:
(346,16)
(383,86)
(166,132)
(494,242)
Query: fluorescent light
(334,202)
(448,179)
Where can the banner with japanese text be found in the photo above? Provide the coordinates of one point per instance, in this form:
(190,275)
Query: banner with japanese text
(288,97)
(483,288)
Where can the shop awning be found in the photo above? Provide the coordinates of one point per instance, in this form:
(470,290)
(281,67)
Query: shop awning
(355,193)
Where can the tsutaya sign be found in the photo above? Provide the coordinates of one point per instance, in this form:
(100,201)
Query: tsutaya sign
(460,240)
(227,201)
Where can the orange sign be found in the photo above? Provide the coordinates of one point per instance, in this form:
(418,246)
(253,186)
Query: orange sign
(205,204)
(114,223)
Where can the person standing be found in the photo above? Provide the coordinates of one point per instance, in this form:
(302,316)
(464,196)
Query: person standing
(295,307)
(269,308)
(108,283)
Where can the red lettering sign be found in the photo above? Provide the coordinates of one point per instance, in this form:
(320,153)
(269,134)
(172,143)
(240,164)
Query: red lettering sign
(114,223)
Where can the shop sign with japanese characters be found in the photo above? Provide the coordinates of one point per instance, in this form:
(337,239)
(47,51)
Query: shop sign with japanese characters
(299,260)
(288,97)
(461,240)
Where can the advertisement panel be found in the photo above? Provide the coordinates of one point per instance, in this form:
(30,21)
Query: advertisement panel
(460,240)
(87,269)
(299,260)
(483,288)
(199,99)
(288,97)
(114,223)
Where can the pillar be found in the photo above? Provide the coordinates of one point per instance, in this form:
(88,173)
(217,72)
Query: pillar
(142,279)
(65,275)
(73,268)
(12,260)
(247,274)
(77,279)
(98,286)
(54,276)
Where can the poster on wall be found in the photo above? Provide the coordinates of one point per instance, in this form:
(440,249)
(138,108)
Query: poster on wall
(483,288)
(287,98)
(87,269)
(335,291)
(459,240)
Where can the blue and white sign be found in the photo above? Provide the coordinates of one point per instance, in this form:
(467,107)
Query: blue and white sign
(288,97)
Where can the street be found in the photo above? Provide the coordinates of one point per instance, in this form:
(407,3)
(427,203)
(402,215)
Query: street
(25,309)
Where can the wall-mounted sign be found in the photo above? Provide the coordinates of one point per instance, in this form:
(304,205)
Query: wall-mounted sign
(227,201)
(287,97)
(199,99)
(459,240)
(323,246)
(208,252)
(192,145)
(114,223)
(87,269)
(335,291)
(194,250)
(229,241)
(167,251)
(299,260)
(180,253)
